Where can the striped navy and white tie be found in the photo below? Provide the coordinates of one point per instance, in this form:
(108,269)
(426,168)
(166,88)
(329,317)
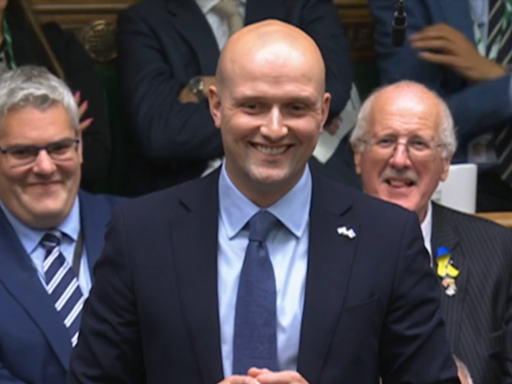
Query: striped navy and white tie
(62,284)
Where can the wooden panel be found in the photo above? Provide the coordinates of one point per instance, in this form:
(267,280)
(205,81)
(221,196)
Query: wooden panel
(503,218)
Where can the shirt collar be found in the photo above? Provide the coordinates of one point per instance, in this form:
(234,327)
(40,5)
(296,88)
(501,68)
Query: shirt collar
(426,230)
(30,237)
(207,5)
(236,209)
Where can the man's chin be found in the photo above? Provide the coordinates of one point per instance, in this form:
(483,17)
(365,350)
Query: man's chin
(405,201)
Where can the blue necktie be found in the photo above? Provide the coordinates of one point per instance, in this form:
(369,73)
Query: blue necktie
(255,339)
(62,284)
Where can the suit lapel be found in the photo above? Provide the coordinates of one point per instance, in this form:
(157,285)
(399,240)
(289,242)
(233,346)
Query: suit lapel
(330,258)
(19,277)
(443,234)
(458,15)
(191,23)
(194,238)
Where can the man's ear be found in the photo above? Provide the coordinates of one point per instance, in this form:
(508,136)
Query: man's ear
(446,168)
(326,104)
(215,104)
(80,146)
(357,158)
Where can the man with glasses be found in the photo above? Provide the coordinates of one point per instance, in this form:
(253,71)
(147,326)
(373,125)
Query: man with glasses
(403,142)
(51,234)
(462,49)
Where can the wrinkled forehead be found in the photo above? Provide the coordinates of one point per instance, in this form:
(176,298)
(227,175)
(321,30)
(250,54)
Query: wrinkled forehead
(405,114)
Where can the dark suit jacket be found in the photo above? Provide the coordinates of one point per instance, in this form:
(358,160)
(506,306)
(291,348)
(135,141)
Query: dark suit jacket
(34,343)
(371,303)
(79,70)
(476,108)
(479,317)
(162,44)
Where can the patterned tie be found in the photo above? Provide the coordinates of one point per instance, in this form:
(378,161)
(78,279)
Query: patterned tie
(62,284)
(255,332)
(229,10)
(497,29)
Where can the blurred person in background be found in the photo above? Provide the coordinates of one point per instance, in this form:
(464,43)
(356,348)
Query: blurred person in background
(461,50)
(51,232)
(168,53)
(24,42)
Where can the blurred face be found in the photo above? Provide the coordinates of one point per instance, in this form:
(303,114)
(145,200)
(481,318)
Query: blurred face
(40,194)
(407,176)
(3,5)
(271,111)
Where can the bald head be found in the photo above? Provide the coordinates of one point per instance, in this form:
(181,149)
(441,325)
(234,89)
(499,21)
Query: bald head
(406,98)
(273,43)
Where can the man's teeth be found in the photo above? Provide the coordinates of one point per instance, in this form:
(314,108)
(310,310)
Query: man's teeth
(271,150)
(399,183)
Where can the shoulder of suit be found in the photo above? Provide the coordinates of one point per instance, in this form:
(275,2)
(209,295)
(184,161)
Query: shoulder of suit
(104,201)
(167,200)
(364,204)
(464,221)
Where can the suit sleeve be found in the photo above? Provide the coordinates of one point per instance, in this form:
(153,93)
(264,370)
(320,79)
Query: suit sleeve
(414,347)
(165,129)
(109,348)
(507,358)
(320,20)
(80,73)
(475,108)
(7,378)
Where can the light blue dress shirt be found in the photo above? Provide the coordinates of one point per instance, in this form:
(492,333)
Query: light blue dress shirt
(480,12)
(288,249)
(31,240)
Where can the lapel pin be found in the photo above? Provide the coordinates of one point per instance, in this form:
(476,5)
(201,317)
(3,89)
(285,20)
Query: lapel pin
(446,270)
(343,231)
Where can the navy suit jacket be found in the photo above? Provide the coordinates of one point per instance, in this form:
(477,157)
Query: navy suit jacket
(35,345)
(476,108)
(372,303)
(162,44)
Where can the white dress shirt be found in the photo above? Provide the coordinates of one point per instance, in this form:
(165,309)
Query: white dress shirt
(30,238)
(426,230)
(218,24)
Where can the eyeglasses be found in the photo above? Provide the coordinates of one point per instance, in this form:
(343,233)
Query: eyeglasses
(23,155)
(418,148)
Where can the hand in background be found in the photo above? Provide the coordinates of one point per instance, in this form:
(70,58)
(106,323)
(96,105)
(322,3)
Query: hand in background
(442,44)
(186,95)
(334,126)
(81,110)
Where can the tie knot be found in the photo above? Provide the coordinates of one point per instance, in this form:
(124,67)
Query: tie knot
(260,225)
(227,8)
(51,239)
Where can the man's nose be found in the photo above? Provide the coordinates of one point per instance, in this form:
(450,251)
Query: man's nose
(274,128)
(400,157)
(44,164)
